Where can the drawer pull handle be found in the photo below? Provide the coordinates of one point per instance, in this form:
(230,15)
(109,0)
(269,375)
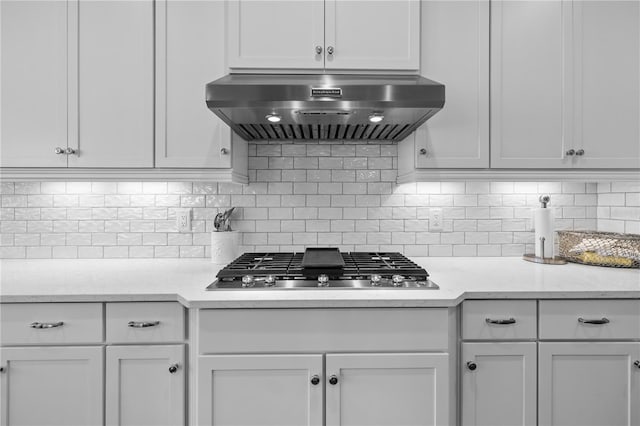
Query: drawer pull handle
(143,324)
(500,321)
(593,321)
(46,324)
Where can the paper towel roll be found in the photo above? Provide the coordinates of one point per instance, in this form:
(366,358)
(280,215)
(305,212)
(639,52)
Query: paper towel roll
(225,246)
(543,224)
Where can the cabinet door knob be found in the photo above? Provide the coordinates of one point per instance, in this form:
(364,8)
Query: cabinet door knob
(142,324)
(2,369)
(173,368)
(315,379)
(330,50)
(637,364)
(70,151)
(318,50)
(58,150)
(580,152)
(333,379)
(423,151)
(570,152)
(224,151)
(472,365)
(46,324)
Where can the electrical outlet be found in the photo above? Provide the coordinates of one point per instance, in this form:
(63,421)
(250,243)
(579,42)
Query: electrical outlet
(183,220)
(435,219)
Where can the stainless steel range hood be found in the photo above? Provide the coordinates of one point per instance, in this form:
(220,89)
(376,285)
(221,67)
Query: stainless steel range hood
(326,107)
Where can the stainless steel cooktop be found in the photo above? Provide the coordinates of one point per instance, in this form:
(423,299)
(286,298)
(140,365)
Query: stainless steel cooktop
(322,268)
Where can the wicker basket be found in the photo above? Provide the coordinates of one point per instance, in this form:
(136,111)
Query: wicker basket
(600,248)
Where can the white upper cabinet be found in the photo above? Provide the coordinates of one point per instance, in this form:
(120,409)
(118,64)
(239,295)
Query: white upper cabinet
(606,64)
(565,84)
(324,34)
(457,136)
(115,84)
(189,54)
(33,87)
(528,84)
(377,35)
(275,34)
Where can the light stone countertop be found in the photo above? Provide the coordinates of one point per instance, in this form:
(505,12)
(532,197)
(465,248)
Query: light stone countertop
(105,280)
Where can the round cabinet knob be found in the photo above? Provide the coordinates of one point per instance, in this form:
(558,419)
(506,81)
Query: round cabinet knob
(330,50)
(173,368)
(70,151)
(580,152)
(570,152)
(2,369)
(58,150)
(318,50)
(315,380)
(333,380)
(637,364)
(472,365)
(423,151)
(224,151)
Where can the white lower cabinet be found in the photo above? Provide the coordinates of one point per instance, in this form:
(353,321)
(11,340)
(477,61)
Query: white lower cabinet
(361,389)
(51,386)
(498,382)
(387,389)
(247,390)
(145,385)
(589,384)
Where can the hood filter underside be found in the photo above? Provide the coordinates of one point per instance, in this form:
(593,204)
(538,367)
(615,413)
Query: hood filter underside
(380,132)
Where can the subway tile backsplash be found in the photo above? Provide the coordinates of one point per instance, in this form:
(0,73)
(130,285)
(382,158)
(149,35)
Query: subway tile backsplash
(310,194)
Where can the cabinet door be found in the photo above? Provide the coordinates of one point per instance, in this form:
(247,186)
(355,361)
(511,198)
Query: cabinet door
(33,49)
(259,390)
(498,382)
(275,34)
(528,88)
(606,37)
(145,385)
(51,386)
(589,384)
(457,136)
(372,34)
(115,84)
(387,389)
(189,54)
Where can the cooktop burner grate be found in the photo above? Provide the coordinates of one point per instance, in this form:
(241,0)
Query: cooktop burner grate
(357,264)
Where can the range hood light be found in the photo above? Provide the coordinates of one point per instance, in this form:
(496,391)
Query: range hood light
(274,118)
(376,117)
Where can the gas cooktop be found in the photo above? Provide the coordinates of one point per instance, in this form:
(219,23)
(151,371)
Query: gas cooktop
(322,268)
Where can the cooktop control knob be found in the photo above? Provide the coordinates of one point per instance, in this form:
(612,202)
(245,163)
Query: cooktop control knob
(323,280)
(247,281)
(269,281)
(375,280)
(398,280)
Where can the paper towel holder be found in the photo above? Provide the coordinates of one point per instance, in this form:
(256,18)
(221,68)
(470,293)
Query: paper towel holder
(531,257)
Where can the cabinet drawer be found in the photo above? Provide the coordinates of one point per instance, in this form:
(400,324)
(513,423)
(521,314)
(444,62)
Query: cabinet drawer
(590,319)
(322,330)
(499,319)
(50,323)
(142,322)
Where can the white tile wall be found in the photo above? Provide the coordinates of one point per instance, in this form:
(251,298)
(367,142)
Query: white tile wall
(618,207)
(301,195)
